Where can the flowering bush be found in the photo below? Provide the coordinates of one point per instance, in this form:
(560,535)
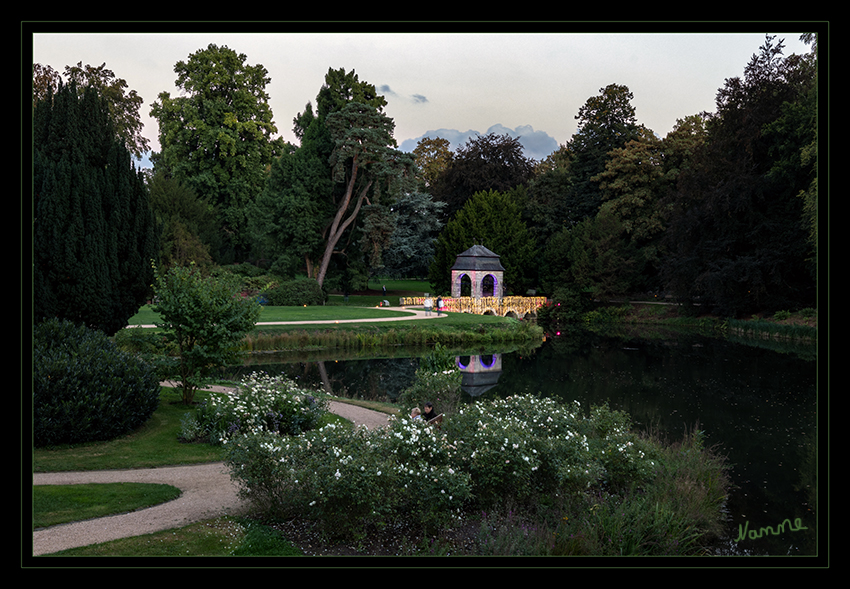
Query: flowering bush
(263,404)
(348,480)
(512,449)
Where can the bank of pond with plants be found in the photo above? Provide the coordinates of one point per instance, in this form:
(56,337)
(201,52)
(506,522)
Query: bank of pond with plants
(581,480)
(531,475)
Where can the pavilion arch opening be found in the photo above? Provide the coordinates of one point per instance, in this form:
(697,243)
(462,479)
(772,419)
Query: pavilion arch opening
(465,285)
(488,286)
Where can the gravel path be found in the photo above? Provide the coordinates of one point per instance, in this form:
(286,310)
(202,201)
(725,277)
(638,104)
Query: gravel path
(207,492)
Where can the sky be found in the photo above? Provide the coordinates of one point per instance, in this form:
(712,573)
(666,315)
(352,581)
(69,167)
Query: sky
(449,84)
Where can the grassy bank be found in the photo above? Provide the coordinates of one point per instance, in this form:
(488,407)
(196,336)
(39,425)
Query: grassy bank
(453,329)
(800,326)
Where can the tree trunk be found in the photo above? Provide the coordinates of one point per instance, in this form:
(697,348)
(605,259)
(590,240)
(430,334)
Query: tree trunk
(339,226)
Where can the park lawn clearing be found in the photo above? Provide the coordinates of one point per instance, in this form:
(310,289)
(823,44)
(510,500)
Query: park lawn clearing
(224,536)
(60,504)
(153,444)
(147,316)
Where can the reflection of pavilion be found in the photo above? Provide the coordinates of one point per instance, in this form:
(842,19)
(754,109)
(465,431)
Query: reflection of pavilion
(479,373)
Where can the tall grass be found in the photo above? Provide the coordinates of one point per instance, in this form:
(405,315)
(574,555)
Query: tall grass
(759,328)
(674,514)
(365,337)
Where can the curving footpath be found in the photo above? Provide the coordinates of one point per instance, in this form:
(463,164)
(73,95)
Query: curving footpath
(415,314)
(207,492)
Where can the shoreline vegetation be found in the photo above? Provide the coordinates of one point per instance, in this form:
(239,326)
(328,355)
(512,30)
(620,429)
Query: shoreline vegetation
(498,532)
(642,495)
(464,329)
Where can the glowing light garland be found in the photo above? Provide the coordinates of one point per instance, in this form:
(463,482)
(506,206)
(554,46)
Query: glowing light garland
(520,306)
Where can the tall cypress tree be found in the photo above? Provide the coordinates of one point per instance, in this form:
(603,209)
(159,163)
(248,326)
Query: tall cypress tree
(94,234)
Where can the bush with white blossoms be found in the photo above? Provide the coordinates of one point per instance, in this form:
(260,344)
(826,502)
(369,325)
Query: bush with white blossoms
(263,403)
(349,479)
(513,449)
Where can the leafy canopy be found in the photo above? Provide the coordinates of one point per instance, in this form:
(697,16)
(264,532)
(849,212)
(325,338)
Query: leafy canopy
(206,318)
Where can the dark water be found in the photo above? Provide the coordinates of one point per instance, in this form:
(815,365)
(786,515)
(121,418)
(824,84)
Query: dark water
(757,405)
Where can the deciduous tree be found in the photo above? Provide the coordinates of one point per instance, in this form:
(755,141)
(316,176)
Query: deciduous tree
(205,318)
(606,122)
(735,238)
(488,162)
(218,136)
(123,105)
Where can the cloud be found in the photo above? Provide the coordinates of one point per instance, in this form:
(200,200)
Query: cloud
(385,90)
(535,144)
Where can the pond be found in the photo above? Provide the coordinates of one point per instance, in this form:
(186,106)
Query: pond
(756,403)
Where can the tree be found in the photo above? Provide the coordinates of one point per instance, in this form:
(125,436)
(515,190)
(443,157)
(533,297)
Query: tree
(631,188)
(218,137)
(599,259)
(433,157)
(206,318)
(363,158)
(606,122)
(306,216)
(188,224)
(94,235)
(123,106)
(494,220)
(487,162)
(735,238)
(547,208)
(417,224)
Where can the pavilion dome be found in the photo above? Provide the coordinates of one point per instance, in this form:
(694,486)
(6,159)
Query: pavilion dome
(479,258)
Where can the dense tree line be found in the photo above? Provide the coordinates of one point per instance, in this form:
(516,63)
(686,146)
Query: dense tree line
(721,211)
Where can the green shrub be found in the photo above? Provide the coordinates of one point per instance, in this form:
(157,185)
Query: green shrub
(84,388)
(606,314)
(442,388)
(298,292)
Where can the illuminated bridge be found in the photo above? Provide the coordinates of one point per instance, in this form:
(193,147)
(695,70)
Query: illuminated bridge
(519,307)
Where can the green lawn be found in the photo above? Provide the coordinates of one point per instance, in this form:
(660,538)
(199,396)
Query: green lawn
(60,504)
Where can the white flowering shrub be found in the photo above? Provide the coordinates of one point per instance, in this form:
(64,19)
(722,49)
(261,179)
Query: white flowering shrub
(350,479)
(263,403)
(512,449)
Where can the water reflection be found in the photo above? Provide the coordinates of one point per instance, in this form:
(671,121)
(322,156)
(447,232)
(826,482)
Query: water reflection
(480,372)
(757,404)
